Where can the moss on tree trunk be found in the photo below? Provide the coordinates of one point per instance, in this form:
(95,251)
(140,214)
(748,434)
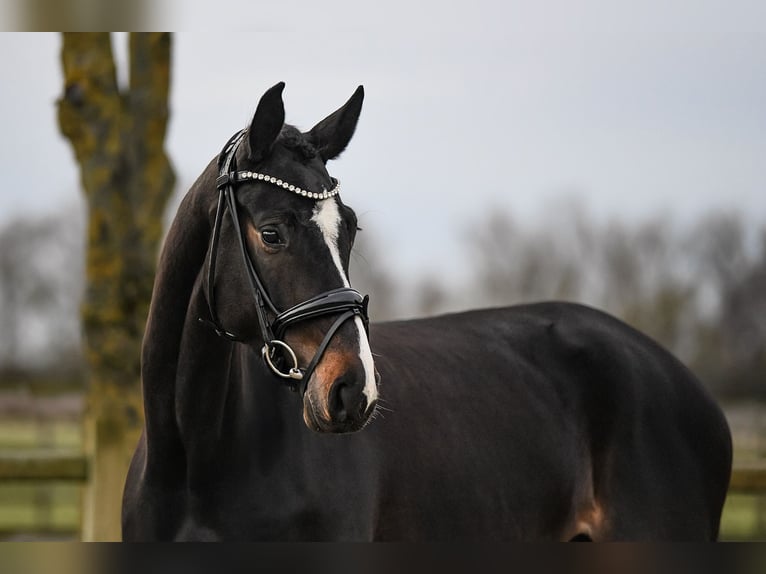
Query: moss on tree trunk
(118,139)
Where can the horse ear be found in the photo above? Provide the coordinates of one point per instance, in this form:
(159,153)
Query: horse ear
(332,134)
(267,122)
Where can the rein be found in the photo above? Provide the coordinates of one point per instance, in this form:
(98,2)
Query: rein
(345,301)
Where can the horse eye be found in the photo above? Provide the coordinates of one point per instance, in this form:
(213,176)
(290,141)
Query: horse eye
(271,237)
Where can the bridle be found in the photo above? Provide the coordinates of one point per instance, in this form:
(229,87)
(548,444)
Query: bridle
(345,301)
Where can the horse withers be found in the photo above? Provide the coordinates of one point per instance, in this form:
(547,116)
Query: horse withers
(550,421)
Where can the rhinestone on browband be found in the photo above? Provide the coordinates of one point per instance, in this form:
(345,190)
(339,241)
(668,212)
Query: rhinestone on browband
(255,176)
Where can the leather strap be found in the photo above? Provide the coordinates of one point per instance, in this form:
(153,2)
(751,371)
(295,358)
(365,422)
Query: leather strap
(335,301)
(323,347)
(344,300)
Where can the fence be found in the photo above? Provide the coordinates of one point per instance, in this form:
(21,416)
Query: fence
(48,473)
(749,479)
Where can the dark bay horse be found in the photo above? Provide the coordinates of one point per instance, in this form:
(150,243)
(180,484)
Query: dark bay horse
(550,421)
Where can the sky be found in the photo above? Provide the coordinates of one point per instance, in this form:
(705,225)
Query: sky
(632,109)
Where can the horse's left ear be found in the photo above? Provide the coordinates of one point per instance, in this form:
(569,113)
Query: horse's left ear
(332,134)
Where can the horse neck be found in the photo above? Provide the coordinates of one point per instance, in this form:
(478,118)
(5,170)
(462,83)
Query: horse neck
(227,401)
(183,361)
(181,260)
(203,378)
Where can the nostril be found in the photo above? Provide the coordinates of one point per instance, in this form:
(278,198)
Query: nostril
(336,400)
(353,401)
(345,400)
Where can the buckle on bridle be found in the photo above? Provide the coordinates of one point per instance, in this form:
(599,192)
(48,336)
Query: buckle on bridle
(220,331)
(222,180)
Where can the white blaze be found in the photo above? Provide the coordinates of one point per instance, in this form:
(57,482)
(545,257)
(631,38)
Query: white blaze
(327,217)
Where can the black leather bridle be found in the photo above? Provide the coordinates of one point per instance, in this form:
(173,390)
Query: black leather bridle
(346,302)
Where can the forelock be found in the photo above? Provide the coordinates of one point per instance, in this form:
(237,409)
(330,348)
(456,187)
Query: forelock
(291,138)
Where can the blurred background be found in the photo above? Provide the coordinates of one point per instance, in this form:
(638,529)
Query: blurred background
(600,152)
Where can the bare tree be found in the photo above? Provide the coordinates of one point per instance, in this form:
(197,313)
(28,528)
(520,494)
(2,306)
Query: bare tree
(700,292)
(370,276)
(40,290)
(731,340)
(516,264)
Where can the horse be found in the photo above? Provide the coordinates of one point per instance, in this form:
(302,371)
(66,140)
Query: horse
(544,421)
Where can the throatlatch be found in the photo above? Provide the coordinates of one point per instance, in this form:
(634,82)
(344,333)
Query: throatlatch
(345,301)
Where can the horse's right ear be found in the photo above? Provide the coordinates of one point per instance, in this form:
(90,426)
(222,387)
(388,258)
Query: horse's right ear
(267,122)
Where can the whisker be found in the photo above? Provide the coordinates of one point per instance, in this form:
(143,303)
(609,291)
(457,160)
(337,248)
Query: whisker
(377,412)
(358,255)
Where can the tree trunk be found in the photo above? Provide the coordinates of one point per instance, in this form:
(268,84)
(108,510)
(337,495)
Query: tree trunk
(118,140)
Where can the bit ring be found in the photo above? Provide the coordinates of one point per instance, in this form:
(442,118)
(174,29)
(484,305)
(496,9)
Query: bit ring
(294,373)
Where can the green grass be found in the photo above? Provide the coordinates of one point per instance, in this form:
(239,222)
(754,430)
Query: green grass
(744,517)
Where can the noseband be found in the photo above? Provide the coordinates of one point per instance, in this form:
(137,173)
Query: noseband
(345,302)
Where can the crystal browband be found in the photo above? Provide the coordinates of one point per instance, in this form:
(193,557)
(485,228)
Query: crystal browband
(240,176)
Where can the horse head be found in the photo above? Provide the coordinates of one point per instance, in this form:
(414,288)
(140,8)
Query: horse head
(278,266)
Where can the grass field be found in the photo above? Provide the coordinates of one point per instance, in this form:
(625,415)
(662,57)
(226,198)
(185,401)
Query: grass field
(52,509)
(744,518)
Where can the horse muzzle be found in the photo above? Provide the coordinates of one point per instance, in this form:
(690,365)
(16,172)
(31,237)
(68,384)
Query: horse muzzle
(340,406)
